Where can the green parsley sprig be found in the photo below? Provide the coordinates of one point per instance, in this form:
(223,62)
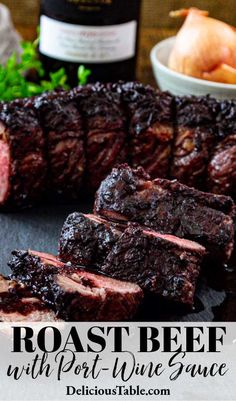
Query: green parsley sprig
(13,76)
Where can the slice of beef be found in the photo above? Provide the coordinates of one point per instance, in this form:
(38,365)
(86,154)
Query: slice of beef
(151,131)
(168,207)
(75,294)
(62,124)
(222,165)
(195,136)
(87,239)
(17,304)
(23,163)
(106,139)
(136,254)
(162,264)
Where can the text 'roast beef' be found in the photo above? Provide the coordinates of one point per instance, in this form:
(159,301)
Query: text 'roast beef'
(17,304)
(75,294)
(23,164)
(159,263)
(168,207)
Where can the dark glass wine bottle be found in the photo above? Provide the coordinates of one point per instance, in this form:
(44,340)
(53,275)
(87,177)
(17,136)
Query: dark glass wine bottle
(100,34)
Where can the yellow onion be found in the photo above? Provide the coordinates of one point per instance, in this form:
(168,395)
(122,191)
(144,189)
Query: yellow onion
(204,48)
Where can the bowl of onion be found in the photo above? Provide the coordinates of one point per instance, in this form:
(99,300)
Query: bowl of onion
(200,59)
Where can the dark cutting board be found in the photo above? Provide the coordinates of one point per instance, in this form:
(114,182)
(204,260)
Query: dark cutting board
(39,229)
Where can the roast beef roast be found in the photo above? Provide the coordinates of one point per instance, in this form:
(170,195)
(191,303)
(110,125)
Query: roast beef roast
(104,122)
(63,142)
(86,239)
(23,164)
(195,136)
(75,294)
(168,207)
(62,125)
(221,171)
(17,304)
(151,128)
(161,264)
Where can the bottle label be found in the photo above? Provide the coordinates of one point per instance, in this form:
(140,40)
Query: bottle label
(90,44)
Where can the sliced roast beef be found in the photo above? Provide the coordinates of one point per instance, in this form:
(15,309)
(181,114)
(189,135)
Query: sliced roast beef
(150,114)
(22,156)
(222,165)
(62,124)
(73,293)
(134,254)
(106,139)
(168,207)
(86,239)
(17,304)
(161,264)
(195,136)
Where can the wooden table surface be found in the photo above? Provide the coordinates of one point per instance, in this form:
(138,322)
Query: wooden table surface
(148,38)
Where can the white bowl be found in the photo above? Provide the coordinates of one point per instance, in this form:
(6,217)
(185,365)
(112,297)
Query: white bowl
(180,84)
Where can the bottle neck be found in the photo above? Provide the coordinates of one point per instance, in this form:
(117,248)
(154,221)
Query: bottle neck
(92,12)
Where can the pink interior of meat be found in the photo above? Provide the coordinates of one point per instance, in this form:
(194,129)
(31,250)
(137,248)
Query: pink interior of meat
(47,258)
(114,215)
(88,283)
(117,226)
(4,169)
(4,284)
(100,281)
(83,281)
(30,300)
(75,283)
(95,218)
(184,243)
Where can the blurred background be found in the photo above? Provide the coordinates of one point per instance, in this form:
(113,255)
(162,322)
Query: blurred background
(155,22)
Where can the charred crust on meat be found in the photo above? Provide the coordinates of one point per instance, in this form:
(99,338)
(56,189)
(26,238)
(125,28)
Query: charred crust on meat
(86,239)
(21,131)
(168,207)
(75,294)
(159,264)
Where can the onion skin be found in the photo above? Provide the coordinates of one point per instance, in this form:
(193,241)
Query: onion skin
(205,48)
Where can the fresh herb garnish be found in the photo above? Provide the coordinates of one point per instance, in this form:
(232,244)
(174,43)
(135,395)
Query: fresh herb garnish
(83,74)
(13,76)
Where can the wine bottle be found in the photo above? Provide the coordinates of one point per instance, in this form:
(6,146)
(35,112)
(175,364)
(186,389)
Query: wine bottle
(100,34)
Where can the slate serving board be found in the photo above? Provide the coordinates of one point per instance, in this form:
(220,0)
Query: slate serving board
(39,229)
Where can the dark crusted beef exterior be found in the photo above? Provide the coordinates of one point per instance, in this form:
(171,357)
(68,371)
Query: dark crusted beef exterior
(22,138)
(168,207)
(18,304)
(75,294)
(195,136)
(86,239)
(222,165)
(106,138)
(161,264)
(150,114)
(62,124)
(89,130)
